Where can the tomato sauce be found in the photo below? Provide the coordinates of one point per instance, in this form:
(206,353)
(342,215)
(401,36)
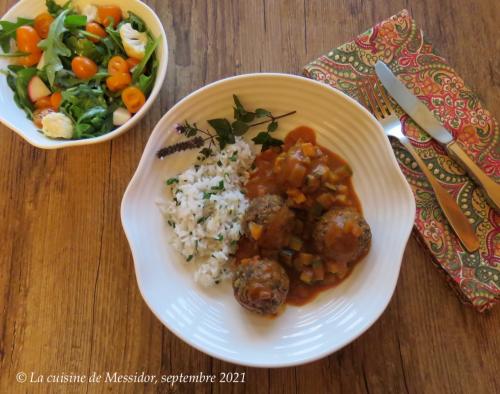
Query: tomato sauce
(307,175)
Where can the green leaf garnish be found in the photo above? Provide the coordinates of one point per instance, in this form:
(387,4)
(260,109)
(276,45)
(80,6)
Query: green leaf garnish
(265,139)
(224,132)
(234,157)
(272,126)
(219,187)
(239,127)
(260,112)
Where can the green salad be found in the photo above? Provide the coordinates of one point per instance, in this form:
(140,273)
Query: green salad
(79,73)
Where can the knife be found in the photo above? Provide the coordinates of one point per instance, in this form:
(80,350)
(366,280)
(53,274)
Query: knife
(426,120)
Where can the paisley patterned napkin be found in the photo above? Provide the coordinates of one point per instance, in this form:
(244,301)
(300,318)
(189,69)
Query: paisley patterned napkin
(400,43)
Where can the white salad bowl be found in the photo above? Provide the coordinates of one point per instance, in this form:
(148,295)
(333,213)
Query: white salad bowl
(15,118)
(210,319)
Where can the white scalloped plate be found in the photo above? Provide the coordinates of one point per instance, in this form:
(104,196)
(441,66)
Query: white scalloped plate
(211,320)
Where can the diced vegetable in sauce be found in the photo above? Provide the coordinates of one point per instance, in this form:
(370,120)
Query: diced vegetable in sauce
(313,181)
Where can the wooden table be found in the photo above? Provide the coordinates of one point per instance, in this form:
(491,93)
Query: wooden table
(69,300)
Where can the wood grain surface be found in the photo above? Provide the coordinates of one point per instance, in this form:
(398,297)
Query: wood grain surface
(69,301)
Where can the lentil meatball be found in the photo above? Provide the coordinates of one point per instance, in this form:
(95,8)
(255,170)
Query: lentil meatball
(260,285)
(268,221)
(342,235)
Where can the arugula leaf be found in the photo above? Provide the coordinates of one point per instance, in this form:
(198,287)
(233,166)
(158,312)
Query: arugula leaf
(76,101)
(15,68)
(14,54)
(90,122)
(136,22)
(8,31)
(54,47)
(85,47)
(114,36)
(67,79)
(107,123)
(111,49)
(72,21)
(150,49)
(18,80)
(146,82)
(87,34)
(55,9)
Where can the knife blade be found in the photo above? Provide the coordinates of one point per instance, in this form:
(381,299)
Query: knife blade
(426,120)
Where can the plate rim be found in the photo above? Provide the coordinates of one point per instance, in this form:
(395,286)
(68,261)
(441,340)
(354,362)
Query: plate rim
(140,168)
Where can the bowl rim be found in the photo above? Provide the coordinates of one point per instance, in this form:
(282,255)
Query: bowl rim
(160,79)
(140,168)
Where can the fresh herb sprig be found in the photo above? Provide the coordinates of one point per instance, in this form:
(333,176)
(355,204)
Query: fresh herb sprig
(226,131)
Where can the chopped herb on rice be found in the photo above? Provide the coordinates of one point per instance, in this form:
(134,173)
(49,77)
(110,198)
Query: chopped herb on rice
(206,206)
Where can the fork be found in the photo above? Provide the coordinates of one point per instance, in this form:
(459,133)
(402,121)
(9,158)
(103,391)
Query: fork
(375,98)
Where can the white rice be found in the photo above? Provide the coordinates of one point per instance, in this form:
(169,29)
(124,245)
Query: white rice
(205,208)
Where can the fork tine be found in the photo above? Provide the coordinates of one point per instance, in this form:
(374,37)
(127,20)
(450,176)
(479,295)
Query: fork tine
(370,96)
(363,97)
(380,101)
(386,102)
